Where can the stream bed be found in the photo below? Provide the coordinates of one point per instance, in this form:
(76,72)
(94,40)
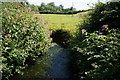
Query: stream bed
(53,65)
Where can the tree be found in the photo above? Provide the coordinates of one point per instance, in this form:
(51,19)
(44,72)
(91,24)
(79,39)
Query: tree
(51,6)
(34,8)
(42,6)
(72,9)
(61,8)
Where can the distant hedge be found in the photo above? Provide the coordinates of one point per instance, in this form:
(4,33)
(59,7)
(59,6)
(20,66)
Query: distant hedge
(23,38)
(69,12)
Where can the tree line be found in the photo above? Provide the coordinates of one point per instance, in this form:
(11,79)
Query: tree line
(51,8)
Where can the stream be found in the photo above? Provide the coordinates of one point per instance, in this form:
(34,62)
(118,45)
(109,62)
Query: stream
(53,65)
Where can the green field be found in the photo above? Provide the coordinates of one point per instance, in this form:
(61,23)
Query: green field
(60,21)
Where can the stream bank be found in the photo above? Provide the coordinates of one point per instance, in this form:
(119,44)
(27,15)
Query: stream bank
(53,65)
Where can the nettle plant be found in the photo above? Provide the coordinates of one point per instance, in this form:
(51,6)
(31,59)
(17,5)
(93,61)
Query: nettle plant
(23,38)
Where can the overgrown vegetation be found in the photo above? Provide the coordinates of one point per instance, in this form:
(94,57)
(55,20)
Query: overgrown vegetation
(95,49)
(51,8)
(23,38)
(95,46)
(102,14)
(97,56)
(61,37)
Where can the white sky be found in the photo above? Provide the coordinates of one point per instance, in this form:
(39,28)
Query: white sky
(78,4)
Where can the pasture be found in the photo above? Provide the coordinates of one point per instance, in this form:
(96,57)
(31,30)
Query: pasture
(62,21)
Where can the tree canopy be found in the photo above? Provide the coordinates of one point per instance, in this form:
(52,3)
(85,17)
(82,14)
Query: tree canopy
(52,8)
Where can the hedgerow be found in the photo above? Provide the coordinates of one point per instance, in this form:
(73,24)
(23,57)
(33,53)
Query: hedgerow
(61,37)
(95,48)
(98,55)
(103,13)
(50,12)
(23,38)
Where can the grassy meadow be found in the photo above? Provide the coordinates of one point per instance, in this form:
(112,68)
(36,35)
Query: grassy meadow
(62,21)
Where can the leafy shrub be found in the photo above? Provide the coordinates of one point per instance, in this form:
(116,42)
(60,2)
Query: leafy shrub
(95,48)
(34,8)
(61,37)
(51,8)
(102,14)
(23,38)
(53,12)
(98,55)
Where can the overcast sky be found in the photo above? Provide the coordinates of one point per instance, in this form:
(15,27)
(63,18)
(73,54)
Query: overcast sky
(78,4)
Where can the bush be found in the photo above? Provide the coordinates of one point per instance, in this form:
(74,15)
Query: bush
(23,38)
(95,47)
(61,37)
(98,55)
(53,12)
(102,14)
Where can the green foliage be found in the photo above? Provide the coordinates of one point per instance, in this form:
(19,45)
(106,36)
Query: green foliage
(61,37)
(65,12)
(23,38)
(51,8)
(34,8)
(97,56)
(102,14)
(95,48)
